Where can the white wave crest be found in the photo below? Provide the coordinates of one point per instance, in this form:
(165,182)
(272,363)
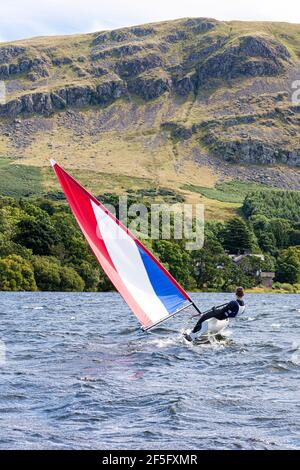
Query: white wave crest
(2,353)
(295,359)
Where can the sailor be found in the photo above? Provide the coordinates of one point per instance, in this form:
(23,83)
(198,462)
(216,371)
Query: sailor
(230,310)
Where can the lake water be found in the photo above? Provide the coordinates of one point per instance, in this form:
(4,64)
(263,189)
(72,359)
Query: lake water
(77,373)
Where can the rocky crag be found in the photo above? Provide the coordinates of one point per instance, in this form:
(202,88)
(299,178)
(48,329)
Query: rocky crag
(189,100)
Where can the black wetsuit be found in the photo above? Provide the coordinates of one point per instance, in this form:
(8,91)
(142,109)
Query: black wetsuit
(228,311)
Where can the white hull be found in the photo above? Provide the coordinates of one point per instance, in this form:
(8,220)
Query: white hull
(210,327)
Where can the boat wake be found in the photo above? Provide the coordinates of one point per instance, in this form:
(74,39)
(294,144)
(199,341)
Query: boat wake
(166,340)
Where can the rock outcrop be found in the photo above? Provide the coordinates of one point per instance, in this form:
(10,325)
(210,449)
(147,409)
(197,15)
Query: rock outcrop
(149,87)
(250,56)
(176,36)
(184,85)
(132,67)
(34,68)
(177,131)
(119,51)
(224,86)
(10,52)
(74,96)
(201,25)
(254,152)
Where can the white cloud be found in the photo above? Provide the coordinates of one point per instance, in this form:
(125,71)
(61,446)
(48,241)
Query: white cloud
(25,18)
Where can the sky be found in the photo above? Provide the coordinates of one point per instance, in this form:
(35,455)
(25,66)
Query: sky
(27,18)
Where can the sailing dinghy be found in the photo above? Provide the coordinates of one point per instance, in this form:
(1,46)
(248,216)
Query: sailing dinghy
(146,286)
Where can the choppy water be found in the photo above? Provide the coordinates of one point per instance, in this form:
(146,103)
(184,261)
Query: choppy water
(77,373)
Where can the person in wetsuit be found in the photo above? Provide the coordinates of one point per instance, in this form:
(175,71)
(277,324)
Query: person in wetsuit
(230,310)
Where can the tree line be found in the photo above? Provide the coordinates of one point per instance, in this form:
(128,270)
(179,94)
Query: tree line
(42,248)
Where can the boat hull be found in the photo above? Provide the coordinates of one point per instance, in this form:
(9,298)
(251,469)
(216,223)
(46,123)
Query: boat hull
(213,327)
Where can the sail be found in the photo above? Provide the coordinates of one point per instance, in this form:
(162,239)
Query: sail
(146,286)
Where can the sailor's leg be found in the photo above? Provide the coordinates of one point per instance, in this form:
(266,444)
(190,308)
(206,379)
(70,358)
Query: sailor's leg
(204,317)
(192,335)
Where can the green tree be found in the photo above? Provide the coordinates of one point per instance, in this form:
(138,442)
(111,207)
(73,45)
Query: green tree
(47,206)
(267,242)
(280,230)
(70,280)
(288,266)
(269,263)
(237,276)
(72,247)
(10,216)
(273,204)
(264,235)
(294,237)
(47,273)
(248,271)
(8,247)
(7,201)
(38,235)
(210,265)
(4,224)
(237,236)
(177,260)
(214,231)
(91,275)
(104,284)
(16,274)
(33,210)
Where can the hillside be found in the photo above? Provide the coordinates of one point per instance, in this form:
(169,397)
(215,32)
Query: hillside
(181,105)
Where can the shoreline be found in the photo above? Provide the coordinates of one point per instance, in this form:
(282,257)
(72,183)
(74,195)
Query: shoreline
(254,290)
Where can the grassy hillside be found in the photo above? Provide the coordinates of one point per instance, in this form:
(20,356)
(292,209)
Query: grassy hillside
(187,105)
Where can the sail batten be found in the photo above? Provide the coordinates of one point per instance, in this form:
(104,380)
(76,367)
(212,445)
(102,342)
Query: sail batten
(147,287)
